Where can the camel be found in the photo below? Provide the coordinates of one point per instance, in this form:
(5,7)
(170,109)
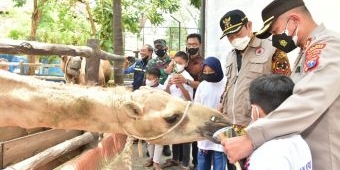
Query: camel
(147,114)
(74,70)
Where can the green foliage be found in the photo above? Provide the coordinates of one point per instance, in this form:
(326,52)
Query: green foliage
(175,38)
(196,3)
(19,3)
(132,10)
(62,23)
(103,15)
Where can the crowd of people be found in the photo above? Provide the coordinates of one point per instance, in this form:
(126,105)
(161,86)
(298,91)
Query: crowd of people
(284,117)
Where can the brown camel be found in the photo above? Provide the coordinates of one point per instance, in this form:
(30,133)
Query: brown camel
(74,69)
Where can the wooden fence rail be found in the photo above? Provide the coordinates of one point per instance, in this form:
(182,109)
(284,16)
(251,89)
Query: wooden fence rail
(92,52)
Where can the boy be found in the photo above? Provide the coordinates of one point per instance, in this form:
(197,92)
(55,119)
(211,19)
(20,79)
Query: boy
(289,153)
(155,151)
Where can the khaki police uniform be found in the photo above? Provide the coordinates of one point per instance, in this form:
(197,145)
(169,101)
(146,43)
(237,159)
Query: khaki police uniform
(258,58)
(314,108)
(256,61)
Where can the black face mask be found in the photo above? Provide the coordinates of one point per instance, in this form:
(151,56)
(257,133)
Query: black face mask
(160,53)
(283,42)
(210,77)
(192,51)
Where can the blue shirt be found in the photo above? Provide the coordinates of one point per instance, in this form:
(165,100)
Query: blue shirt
(138,69)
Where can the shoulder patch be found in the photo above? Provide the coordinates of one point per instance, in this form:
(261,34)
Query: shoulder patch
(259,51)
(312,57)
(280,63)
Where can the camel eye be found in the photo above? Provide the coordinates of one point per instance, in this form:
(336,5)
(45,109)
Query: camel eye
(172,119)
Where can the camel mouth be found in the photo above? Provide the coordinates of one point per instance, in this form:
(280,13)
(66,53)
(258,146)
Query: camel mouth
(209,128)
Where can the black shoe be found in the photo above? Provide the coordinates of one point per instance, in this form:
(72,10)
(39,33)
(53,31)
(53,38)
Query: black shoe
(166,150)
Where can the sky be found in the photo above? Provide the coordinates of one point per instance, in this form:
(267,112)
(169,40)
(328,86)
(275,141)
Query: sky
(322,11)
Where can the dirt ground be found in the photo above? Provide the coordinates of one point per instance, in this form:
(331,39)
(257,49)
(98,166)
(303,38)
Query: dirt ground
(139,161)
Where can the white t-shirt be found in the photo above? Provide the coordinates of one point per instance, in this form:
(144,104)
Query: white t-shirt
(209,94)
(290,153)
(159,87)
(175,91)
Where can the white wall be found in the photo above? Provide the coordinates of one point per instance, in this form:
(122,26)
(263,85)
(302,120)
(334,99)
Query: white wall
(325,11)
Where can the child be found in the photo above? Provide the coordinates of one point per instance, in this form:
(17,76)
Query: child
(4,64)
(289,153)
(185,92)
(208,93)
(155,151)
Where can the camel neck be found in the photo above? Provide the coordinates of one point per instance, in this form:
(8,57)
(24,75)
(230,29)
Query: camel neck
(35,103)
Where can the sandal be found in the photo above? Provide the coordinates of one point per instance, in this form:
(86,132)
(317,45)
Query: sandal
(170,163)
(148,163)
(156,166)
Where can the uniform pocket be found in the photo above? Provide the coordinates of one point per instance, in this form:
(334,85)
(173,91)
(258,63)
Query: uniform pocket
(257,67)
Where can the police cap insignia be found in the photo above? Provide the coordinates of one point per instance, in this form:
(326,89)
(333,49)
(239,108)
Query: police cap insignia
(232,22)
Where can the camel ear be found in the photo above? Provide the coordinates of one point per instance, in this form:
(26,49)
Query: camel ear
(133,109)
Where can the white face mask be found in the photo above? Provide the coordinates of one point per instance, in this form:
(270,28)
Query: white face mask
(150,83)
(240,43)
(253,118)
(179,68)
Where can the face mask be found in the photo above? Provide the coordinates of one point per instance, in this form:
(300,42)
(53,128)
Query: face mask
(285,42)
(150,83)
(253,119)
(160,53)
(179,68)
(210,77)
(241,43)
(192,51)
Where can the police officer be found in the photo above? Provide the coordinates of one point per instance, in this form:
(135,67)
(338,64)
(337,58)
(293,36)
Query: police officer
(250,58)
(313,109)
(139,67)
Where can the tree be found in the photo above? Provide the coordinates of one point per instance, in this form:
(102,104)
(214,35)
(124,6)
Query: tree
(34,26)
(117,39)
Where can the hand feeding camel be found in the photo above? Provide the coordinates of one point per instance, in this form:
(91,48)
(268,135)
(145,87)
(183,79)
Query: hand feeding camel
(74,69)
(146,114)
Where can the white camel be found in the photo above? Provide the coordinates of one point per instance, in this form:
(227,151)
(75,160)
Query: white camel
(146,114)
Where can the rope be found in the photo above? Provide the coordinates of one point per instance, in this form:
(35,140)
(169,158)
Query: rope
(163,134)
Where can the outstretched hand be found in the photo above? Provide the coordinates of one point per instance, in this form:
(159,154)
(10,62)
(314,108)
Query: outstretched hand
(237,148)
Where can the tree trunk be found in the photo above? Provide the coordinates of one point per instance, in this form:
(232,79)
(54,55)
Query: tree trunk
(34,27)
(117,40)
(88,9)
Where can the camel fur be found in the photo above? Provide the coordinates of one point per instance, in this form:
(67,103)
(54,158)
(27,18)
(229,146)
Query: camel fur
(145,113)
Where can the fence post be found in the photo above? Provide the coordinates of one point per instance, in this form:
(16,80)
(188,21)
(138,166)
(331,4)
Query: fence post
(21,65)
(93,62)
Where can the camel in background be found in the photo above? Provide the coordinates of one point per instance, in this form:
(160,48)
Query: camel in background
(74,70)
(146,114)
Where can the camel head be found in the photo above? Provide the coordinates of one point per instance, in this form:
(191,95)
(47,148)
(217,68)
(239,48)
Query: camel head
(71,67)
(160,118)
(74,69)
